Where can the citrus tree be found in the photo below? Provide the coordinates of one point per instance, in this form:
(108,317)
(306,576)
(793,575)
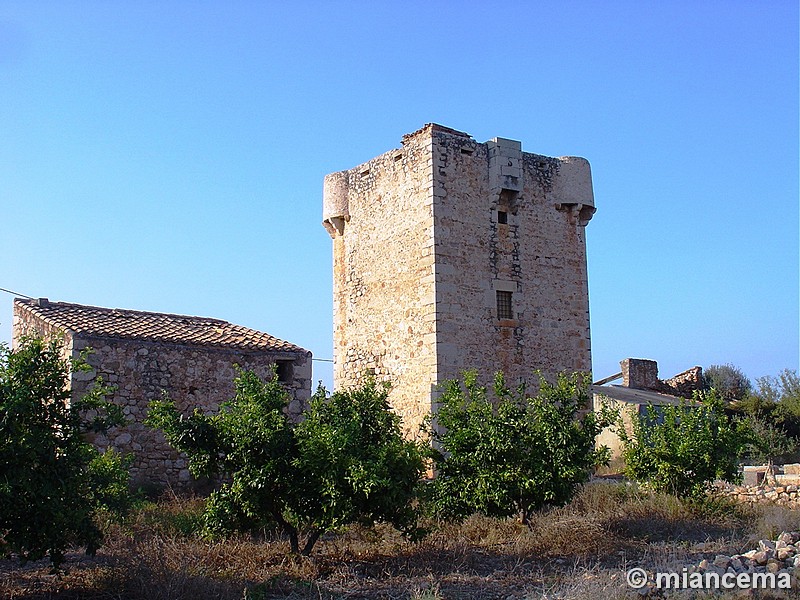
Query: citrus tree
(680,449)
(345,462)
(52,482)
(513,453)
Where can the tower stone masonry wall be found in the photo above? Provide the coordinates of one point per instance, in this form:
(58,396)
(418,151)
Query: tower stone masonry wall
(421,248)
(381,218)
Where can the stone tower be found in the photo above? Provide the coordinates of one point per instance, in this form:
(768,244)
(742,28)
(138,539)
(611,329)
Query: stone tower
(450,254)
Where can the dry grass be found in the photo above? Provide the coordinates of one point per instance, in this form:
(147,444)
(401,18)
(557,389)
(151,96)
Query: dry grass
(578,551)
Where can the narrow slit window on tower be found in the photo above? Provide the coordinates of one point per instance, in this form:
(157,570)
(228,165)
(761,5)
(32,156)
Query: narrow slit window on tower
(504,309)
(502,217)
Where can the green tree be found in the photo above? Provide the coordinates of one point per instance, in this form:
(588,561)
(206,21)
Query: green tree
(729,381)
(512,454)
(775,400)
(767,442)
(783,392)
(362,468)
(785,388)
(680,449)
(346,462)
(52,482)
(756,405)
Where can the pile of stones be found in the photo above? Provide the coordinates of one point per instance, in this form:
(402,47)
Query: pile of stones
(781,557)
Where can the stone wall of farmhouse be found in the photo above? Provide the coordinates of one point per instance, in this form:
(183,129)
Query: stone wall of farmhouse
(642,373)
(23,324)
(194,377)
(686,383)
(421,249)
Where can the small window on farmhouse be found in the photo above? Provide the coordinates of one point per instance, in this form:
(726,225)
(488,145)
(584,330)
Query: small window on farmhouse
(285,371)
(504,310)
(654,415)
(502,217)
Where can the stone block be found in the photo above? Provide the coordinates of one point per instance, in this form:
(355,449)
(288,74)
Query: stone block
(788,479)
(505,143)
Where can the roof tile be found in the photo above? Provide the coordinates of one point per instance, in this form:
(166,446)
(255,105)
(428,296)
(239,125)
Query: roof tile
(153,327)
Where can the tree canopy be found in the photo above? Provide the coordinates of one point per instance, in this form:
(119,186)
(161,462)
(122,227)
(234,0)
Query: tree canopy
(345,462)
(52,482)
(513,453)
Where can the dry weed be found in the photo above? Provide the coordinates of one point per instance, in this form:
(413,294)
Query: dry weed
(584,581)
(577,551)
(769,520)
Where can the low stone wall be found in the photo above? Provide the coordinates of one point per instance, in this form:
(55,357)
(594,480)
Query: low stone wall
(784,495)
(782,475)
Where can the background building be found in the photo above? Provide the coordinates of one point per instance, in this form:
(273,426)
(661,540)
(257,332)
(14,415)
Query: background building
(639,391)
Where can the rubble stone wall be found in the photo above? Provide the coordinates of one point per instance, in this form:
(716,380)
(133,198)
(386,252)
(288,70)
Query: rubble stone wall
(686,383)
(641,373)
(785,495)
(193,377)
(24,325)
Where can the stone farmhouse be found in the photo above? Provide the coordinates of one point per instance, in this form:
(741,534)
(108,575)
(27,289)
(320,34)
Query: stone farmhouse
(639,389)
(143,354)
(451,254)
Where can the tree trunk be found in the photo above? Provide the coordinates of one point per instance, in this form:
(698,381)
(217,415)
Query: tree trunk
(293,542)
(525,518)
(289,530)
(310,541)
(771,472)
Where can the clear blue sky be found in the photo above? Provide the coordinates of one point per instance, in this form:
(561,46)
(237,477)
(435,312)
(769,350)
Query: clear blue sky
(169,156)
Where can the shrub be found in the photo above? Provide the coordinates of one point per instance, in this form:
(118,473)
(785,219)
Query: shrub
(514,454)
(729,381)
(52,481)
(346,462)
(363,469)
(766,443)
(775,400)
(680,449)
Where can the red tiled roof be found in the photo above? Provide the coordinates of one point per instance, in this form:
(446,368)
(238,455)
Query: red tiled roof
(118,323)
